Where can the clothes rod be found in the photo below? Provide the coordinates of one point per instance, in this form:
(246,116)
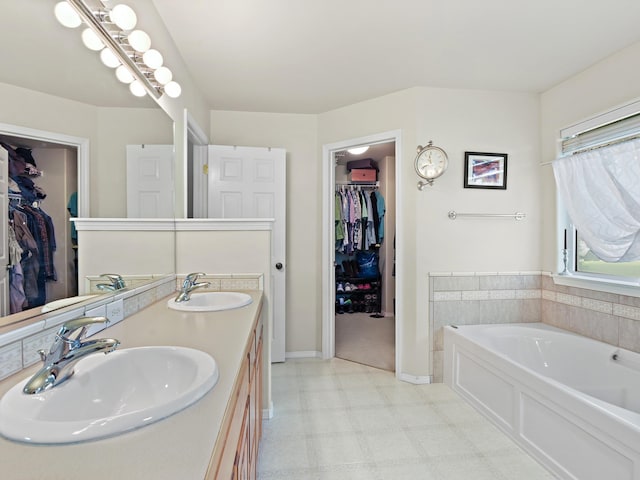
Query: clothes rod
(517,216)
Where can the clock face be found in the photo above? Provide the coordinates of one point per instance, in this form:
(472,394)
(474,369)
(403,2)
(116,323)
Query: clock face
(431,162)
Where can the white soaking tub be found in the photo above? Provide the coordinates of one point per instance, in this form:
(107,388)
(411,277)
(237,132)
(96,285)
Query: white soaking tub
(571,402)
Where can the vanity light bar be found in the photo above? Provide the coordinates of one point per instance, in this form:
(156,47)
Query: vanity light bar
(145,78)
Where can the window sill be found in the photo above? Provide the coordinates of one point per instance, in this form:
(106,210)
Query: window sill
(621,287)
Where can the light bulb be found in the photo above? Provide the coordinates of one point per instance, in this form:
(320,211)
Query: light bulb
(91,40)
(163,75)
(124,75)
(358,150)
(152,58)
(137,88)
(109,58)
(66,15)
(173,89)
(139,41)
(123,16)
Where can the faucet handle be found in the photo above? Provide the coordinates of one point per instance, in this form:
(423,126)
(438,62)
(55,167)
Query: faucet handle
(193,277)
(115,279)
(68,328)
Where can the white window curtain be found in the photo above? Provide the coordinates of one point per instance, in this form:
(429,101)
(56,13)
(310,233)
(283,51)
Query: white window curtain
(601,191)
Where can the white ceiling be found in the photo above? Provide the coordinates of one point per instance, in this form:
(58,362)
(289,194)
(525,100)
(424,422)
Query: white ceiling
(311,56)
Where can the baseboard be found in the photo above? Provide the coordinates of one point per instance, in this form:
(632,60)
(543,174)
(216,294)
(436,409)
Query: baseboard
(267,413)
(309,354)
(423,380)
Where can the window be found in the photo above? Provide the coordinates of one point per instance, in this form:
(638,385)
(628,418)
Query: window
(588,263)
(598,180)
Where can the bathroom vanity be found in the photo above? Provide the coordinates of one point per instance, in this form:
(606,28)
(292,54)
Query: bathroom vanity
(215,438)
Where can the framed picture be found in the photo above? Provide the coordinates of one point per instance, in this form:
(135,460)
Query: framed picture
(485,170)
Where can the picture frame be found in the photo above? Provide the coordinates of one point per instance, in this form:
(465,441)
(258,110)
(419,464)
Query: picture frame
(485,170)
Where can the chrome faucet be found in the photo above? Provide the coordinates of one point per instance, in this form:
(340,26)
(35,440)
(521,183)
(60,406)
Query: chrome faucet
(190,283)
(116,282)
(65,352)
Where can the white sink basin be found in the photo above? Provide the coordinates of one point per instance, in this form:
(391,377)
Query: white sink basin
(211,302)
(65,302)
(109,394)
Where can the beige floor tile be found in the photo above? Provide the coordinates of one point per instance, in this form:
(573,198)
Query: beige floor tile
(374,419)
(390,446)
(439,440)
(330,421)
(338,420)
(323,399)
(338,449)
(406,471)
(364,397)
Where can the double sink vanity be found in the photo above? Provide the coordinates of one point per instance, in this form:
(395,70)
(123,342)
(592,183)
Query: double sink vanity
(180,397)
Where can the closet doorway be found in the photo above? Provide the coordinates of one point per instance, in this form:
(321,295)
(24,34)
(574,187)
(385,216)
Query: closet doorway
(60,170)
(361,296)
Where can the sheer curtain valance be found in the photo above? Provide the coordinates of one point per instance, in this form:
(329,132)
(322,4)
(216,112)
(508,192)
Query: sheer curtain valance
(601,192)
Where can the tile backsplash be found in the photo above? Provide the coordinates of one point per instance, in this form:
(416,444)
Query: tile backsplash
(477,298)
(19,346)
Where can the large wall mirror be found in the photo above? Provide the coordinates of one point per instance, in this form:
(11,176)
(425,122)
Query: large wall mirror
(52,89)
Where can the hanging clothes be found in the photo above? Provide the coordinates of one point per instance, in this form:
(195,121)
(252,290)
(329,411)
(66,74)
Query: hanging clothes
(359,219)
(33,231)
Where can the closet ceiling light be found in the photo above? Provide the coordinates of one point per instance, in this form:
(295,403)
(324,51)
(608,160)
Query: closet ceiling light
(116,47)
(358,150)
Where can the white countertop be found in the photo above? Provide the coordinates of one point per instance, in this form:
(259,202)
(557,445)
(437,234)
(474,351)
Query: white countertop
(178,447)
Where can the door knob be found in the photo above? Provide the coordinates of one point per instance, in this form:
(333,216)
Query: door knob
(279,266)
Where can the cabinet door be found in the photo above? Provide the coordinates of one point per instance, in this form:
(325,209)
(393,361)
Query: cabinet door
(242,463)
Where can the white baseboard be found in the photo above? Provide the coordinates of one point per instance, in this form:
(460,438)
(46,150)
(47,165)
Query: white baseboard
(267,413)
(422,380)
(309,354)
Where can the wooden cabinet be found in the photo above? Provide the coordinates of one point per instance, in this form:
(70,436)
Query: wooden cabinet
(236,458)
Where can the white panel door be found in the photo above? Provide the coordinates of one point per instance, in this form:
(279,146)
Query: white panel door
(4,225)
(250,182)
(150,181)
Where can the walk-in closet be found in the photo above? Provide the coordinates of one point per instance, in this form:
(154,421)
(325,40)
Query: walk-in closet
(365,256)
(41,197)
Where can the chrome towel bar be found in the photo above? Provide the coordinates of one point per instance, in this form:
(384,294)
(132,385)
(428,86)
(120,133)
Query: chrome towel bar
(517,216)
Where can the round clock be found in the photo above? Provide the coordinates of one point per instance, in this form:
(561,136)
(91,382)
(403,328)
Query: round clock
(431,162)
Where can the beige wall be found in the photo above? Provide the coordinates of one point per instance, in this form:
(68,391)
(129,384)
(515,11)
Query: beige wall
(117,128)
(298,135)
(109,130)
(457,120)
(128,252)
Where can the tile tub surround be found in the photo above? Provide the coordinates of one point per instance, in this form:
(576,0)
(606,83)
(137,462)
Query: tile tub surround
(477,298)
(608,317)
(19,347)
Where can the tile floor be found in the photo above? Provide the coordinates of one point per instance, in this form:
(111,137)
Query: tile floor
(338,420)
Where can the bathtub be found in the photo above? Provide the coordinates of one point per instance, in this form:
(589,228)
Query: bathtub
(571,402)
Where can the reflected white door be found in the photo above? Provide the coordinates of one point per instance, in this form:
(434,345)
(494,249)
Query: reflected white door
(4,225)
(150,181)
(250,182)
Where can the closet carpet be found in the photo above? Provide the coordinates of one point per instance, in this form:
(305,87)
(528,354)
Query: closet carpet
(363,339)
